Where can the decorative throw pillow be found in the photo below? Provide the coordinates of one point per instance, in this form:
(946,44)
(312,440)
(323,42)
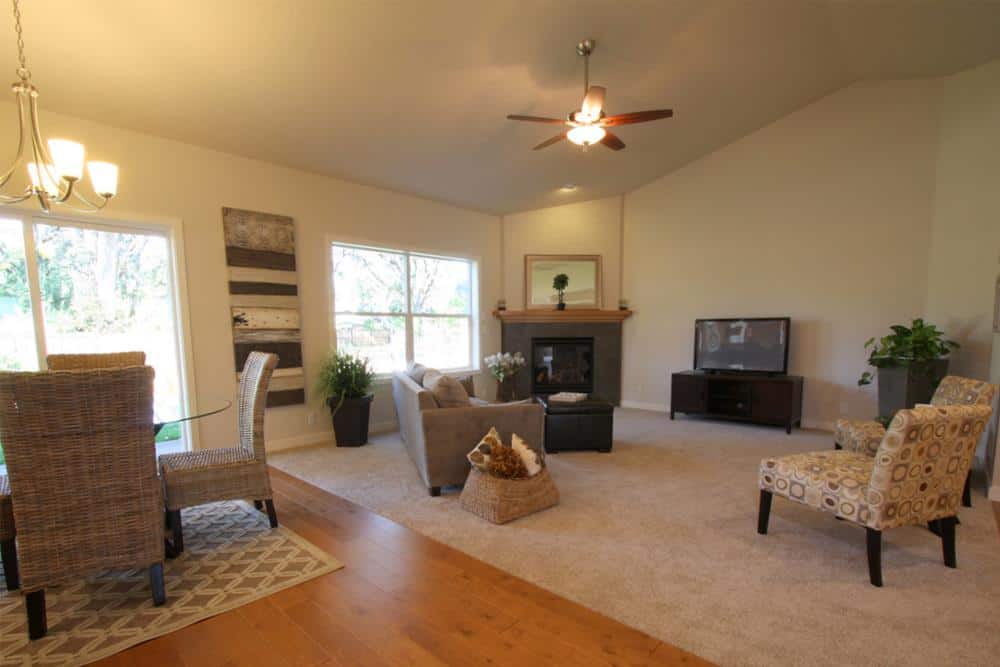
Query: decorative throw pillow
(447,391)
(416,372)
(468,384)
(480,456)
(532,460)
(506,463)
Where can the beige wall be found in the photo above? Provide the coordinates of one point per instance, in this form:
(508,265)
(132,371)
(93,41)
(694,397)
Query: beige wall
(170,179)
(823,216)
(965,236)
(587,228)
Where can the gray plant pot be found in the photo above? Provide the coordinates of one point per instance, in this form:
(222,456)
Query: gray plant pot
(902,387)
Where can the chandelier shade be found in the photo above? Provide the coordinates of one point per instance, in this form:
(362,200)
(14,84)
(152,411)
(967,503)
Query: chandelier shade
(54,168)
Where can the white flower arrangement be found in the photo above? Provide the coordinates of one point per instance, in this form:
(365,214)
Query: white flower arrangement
(504,364)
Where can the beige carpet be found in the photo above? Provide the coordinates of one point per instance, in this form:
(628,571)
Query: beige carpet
(661,535)
(231,557)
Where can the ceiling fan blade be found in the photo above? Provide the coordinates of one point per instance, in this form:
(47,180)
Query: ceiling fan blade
(612,141)
(593,102)
(535,119)
(637,117)
(549,142)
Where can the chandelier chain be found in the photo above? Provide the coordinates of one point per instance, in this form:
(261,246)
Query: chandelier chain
(22,71)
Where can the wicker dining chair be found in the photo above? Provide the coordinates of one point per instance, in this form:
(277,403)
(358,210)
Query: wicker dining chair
(82,466)
(89,362)
(8,549)
(226,473)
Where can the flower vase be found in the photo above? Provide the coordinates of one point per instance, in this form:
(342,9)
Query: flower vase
(506,391)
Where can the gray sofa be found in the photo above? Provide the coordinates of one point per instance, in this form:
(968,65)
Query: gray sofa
(439,438)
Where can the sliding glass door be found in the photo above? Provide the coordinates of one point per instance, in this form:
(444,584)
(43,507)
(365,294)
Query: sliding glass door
(78,287)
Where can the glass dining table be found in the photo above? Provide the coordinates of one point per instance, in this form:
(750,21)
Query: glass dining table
(204,409)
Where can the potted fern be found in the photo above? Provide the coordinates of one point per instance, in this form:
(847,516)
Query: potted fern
(910,362)
(345,383)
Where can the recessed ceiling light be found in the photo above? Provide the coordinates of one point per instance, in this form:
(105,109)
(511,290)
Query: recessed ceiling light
(568,187)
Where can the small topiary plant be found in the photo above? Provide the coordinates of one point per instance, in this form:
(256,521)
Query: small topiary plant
(559,284)
(344,376)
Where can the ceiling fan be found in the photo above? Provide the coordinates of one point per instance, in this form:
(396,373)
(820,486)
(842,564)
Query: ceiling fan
(588,124)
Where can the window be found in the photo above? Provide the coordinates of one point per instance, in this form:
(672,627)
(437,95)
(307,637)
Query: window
(69,286)
(394,307)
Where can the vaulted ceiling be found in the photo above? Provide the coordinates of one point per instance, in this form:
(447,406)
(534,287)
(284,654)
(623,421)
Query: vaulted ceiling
(412,95)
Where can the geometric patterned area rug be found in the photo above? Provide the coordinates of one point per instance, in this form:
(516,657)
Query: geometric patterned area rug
(231,557)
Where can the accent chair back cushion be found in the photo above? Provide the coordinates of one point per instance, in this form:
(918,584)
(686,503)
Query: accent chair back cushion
(921,465)
(956,390)
(254,383)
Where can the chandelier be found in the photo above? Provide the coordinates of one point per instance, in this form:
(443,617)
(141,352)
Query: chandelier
(54,169)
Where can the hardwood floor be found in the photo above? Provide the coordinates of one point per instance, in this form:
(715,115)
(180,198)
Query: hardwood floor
(402,599)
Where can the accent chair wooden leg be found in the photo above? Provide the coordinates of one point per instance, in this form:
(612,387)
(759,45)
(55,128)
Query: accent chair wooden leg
(874,556)
(967,491)
(948,540)
(837,445)
(157,584)
(8,553)
(272,516)
(34,605)
(259,504)
(435,491)
(763,511)
(175,524)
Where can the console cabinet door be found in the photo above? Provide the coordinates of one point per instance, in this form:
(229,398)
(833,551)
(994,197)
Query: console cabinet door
(687,394)
(771,401)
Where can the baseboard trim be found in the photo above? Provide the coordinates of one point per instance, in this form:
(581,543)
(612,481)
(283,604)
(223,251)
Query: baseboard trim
(639,405)
(296,441)
(307,439)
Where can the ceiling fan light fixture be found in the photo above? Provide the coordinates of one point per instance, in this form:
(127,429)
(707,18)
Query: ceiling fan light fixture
(586,135)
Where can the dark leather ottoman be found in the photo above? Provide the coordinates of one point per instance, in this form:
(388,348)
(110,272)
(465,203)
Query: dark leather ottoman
(575,426)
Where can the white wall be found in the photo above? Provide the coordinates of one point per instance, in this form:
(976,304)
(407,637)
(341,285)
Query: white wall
(823,216)
(170,179)
(965,236)
(586,228)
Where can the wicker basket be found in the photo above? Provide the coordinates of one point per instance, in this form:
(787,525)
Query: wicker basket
(501,500)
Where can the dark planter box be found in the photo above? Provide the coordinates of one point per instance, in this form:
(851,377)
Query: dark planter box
(902,387)
(350,422)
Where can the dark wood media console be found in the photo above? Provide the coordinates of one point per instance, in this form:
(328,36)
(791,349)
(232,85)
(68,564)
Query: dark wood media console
(760,399)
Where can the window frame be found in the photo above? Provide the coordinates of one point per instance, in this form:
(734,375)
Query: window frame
(408,315)
(169,228)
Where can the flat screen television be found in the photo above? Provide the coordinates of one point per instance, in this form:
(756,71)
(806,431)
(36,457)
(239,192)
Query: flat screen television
(750,344)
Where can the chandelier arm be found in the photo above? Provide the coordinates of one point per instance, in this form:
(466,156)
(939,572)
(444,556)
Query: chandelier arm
(16,199)
(47,163)
(20,143)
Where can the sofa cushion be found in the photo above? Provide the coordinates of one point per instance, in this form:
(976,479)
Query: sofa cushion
(416,372)
(468,384)
(447,391)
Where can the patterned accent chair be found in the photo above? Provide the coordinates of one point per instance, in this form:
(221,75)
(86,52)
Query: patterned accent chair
(226,473)
(866,436)
(82,464)
(8,550)
(915,477)
(89,362)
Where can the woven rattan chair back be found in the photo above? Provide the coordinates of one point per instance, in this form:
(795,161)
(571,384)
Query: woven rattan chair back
(254,383)
(89,362)
(82,466)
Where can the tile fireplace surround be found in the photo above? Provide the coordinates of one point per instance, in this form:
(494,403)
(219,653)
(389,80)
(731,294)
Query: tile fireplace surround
(518,329)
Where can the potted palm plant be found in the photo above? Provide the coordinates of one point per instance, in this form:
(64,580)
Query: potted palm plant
(910,362)
(559,284)
(345,383)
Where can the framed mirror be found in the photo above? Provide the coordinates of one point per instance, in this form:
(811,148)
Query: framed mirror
(583,290)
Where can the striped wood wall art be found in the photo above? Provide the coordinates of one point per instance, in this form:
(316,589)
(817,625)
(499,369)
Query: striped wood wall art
(264,297)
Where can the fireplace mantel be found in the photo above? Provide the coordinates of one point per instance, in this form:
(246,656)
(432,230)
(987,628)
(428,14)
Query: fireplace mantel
(569,315)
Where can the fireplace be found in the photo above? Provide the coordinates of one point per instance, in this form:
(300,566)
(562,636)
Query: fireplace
(562,364)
